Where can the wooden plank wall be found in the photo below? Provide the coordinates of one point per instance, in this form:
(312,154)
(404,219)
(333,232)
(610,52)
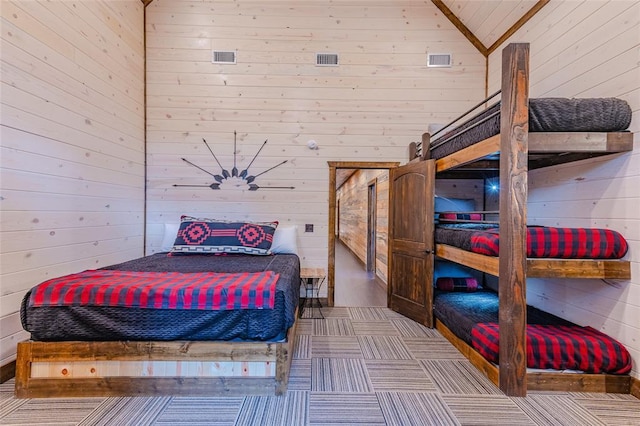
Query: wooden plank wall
(72,154)
(353,197)
(588,49)
(353,210)
(369,108)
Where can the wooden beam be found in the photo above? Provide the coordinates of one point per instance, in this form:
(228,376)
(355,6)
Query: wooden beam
(580,142)
(469,154)
(635,387)
(331,261)
(568,382)
(477,261)
(515,27)
(478,361)
(8,371)
(514,129)
(461,27)
(579,268)
(542,268)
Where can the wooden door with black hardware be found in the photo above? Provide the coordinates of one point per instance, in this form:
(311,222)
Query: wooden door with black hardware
(410,287)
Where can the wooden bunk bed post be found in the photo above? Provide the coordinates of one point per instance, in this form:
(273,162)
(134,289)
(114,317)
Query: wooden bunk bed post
(426,141)
(520,151)
(514,129)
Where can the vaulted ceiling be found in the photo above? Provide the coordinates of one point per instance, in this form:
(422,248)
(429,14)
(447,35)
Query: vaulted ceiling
(488,23)
(485,23)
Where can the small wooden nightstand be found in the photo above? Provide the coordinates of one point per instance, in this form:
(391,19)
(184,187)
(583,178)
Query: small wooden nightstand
(312,279)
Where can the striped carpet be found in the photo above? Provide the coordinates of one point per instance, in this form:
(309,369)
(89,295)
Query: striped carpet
(359,366)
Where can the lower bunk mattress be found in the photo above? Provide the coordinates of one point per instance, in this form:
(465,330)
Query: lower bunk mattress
(542,241)
(552,342)
(192,297)
(545,115)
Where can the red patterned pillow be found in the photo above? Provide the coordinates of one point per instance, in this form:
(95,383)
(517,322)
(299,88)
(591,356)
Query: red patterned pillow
(460,216)
(457,284)
(201,235)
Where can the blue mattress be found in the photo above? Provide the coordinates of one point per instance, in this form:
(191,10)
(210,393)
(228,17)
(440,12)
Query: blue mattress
(460,311)
(95,323)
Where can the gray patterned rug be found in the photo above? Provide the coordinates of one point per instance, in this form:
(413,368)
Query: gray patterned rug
(359,366)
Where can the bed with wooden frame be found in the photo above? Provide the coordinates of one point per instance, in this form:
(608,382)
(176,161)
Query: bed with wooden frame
(95,350)
(510,153)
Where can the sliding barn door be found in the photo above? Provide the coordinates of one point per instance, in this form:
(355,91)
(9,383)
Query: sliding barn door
(410,290)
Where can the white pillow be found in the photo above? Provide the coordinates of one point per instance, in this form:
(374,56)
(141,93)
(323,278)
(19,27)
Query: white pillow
(284,240)
(169,236)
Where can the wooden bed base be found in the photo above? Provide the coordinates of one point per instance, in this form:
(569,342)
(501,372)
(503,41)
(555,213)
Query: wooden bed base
(544,381)
(193,368)
(537,268)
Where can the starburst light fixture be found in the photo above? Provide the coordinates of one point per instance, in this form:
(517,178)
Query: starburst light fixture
(234,179)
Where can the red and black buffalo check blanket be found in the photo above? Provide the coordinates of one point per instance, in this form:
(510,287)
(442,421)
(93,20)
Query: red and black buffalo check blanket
(560,348)
(563,243)
(159,290)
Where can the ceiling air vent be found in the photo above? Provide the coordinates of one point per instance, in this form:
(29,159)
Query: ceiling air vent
(223,57)
(441,60)
(327,59)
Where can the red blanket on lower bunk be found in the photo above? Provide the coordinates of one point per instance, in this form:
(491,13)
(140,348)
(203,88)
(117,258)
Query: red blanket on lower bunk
(560,348)
(159,290)
(563,243)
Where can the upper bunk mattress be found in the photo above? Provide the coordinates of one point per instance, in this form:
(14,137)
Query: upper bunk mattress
(545,115)
(542,241)
(132,321)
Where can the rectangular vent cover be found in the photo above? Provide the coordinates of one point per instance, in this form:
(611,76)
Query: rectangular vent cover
(223,57)
(439,60)
(327,59)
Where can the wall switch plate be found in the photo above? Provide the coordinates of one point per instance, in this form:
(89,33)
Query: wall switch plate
(308,227)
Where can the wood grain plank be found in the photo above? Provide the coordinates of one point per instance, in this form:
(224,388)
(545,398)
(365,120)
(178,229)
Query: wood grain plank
(541,268)
(580,142)
(478,361)
(469,154)
(171,350)
(461,27)
(477,261)
(147,386)
(514,130)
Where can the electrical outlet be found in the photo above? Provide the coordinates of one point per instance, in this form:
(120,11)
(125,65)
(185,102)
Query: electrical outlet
(308,227)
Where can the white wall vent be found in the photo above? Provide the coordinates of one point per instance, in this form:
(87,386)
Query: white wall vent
(441,60)
(327,59)
(223,57)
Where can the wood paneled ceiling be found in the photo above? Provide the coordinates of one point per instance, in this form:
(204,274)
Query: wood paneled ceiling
(488,23)
(485,23)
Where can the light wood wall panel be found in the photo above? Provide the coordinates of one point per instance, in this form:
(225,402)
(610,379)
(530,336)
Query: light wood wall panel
(380,98)
(588,49)
(353,197)
(72,151)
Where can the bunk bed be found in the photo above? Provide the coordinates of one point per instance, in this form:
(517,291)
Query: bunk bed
(508,148)
(196,321)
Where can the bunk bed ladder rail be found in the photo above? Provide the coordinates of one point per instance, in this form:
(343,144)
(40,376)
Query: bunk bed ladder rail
(422,149)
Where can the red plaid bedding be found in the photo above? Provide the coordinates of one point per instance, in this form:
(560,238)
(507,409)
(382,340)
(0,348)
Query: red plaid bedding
(563,243)
(560,348)
(159,290)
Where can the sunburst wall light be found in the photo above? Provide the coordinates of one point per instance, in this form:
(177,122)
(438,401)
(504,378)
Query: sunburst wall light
(237,179)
